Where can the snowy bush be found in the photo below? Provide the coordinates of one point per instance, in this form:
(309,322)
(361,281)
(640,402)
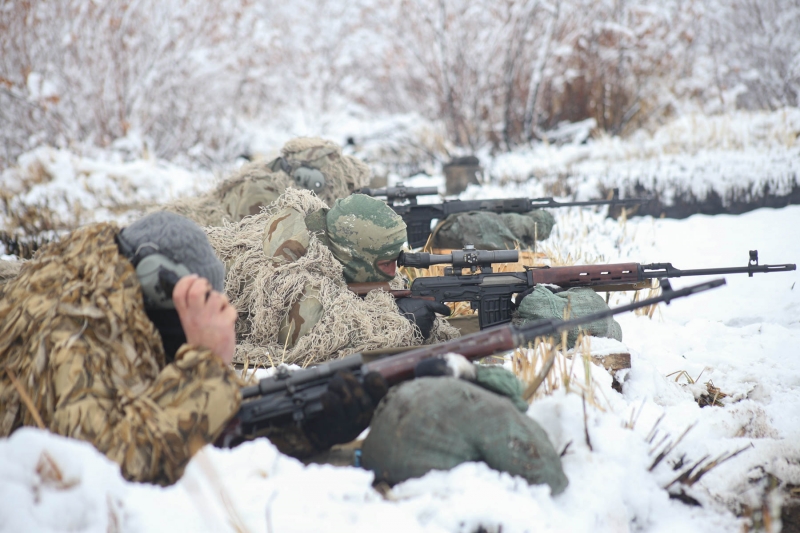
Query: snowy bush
(192,79)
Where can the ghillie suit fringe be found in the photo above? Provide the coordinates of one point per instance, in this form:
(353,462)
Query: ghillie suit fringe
(263,292)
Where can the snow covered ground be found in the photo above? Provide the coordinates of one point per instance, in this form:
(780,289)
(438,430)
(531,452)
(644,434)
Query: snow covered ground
(744,338)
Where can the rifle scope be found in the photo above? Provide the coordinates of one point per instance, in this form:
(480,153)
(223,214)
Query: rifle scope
(400,192)
(469,257)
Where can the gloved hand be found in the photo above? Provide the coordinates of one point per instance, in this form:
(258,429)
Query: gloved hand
(347,408)
(451,364)
(422,312)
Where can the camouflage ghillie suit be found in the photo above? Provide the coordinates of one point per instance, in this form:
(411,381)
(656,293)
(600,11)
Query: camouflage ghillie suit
(287,274)
(8,270)
(75,340)
(260,183)
(492,231)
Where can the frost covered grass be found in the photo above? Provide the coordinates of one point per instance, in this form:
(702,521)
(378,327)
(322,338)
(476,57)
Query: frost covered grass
(739,157)
(51,191)
(725,334)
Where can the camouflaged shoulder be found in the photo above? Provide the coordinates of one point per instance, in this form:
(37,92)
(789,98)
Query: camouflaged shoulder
(285,237)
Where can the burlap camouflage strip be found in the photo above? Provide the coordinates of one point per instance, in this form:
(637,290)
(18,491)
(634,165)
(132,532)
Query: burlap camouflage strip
(9,270)
(74,333)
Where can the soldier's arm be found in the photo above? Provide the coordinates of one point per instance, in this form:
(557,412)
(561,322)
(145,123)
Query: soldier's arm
(153,434)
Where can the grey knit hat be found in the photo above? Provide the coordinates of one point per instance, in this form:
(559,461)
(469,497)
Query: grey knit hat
(177,238)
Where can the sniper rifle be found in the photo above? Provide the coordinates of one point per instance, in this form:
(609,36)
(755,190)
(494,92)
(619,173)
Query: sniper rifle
(295,396)
(418,217)
(490,293)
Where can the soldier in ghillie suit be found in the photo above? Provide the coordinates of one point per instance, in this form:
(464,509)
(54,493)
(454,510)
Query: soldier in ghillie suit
(92,346)
(306,163)
(288,274)
(84,354)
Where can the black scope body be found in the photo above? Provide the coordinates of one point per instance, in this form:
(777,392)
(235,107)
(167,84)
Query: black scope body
(400,191)
(466,258)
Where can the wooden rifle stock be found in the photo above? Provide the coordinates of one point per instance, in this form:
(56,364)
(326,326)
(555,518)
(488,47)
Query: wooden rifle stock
(401,367)
(588,275)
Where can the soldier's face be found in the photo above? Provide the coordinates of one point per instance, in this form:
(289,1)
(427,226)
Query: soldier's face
(387,266)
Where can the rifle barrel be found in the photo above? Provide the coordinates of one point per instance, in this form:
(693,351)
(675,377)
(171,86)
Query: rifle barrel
(507,337)
(539,328)
(666,270)
(551,202)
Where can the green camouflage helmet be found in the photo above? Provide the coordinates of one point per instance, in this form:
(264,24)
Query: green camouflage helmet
(362,231)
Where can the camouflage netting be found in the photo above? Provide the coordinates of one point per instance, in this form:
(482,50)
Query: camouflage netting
(492,231)
(263,292)
(438,423)
(260,183)
(542,303)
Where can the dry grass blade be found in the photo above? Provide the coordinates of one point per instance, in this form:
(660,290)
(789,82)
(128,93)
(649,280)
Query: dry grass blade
(586,424)
(670,447)
(652,435)
(713,397)
(690,477)
(534,385)
(652,292)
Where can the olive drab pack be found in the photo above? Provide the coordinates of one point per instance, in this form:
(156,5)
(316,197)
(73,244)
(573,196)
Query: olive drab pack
(439,423)
(75,339)
(543,303)
(487,230)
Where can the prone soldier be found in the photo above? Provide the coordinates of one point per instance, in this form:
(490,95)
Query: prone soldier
(123,338)
(314,164)
(288,273)
(90,348)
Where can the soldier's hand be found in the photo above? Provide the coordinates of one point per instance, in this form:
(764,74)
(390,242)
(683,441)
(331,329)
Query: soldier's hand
(207,317)
(347,408)
(422,312)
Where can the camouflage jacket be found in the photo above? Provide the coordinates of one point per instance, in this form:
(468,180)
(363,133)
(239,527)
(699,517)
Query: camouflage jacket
(286,238)
(77,347)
